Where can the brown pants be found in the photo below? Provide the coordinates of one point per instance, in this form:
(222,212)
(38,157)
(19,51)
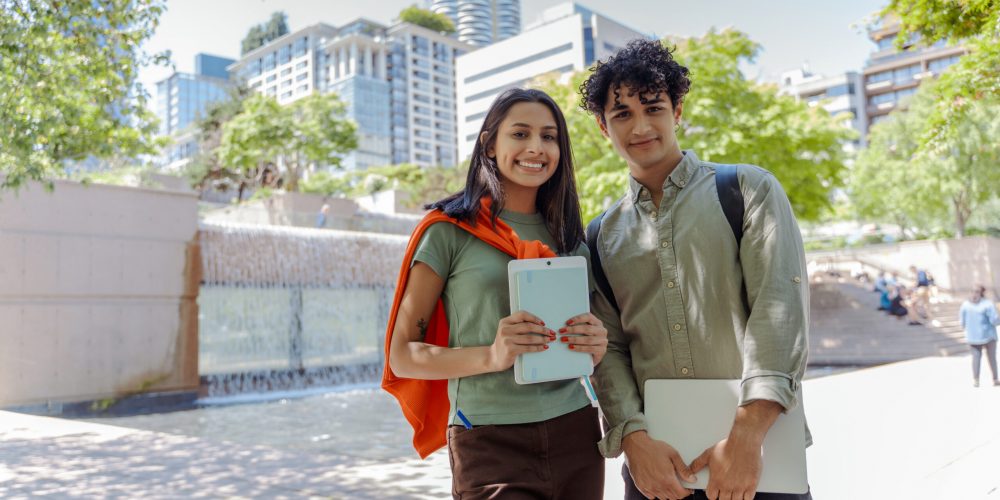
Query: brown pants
(556,458)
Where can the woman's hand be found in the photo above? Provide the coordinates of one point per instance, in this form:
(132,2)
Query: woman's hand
(585,333)
(518,333)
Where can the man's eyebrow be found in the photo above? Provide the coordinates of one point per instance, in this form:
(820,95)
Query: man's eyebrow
(618,106)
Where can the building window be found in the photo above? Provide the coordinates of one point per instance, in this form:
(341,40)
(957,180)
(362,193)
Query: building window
(302,64)
(284,54)
(268,62)
(301,76)
(286,95)
(302,88)
(301,46)
(286,83)
(286,71)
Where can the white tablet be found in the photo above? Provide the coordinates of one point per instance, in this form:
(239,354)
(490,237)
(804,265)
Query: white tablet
(555,290)
(692,415)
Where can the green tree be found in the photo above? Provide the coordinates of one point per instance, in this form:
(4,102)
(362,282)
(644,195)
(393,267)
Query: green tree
(272,145)
(205,169)
(975,24)
(428,19)
(69,84)
(899,178)
(727,119)
(261,34)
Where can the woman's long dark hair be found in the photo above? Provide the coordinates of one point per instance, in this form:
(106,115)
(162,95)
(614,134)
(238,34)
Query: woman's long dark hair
(557,199)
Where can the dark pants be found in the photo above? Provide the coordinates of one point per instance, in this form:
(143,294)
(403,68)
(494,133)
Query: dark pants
(556,458)
(631,493)
(991,357)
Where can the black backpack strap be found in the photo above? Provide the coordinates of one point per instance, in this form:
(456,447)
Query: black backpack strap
(727,183)
(593,231)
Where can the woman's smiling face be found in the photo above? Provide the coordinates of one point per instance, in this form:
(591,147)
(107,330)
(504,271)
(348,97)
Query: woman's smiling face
(526,147)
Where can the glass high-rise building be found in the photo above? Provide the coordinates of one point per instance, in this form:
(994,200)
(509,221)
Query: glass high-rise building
(482,22)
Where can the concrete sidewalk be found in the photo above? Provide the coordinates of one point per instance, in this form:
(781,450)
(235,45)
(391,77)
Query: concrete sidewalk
(916,429)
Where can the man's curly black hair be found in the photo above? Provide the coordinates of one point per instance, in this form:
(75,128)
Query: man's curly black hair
(643,67)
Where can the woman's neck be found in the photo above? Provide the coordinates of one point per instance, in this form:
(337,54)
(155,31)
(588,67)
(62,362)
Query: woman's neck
(520,199)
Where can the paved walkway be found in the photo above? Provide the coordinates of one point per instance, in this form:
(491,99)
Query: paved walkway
(916,429)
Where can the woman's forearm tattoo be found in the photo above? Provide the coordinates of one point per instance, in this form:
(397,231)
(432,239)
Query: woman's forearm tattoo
(422,326)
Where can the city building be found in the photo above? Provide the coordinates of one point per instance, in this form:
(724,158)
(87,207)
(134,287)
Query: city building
(567,38)
(891,74)
(182,98)
(836,94)
(397,83)
(481,22)
(421,74)
(288,68)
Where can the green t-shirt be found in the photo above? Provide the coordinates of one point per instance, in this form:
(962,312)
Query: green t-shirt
(476,297)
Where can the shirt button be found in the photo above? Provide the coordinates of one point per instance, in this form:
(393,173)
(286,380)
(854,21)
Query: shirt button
(681,183)
(677,327)
(665,244)
(670,284)
(685,370)
(797,279)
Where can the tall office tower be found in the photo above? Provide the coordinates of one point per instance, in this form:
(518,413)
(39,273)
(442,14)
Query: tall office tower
(482,22)
(288,68)
(566,39)
(182,98)
(422,77)
(892,74)
(836,94)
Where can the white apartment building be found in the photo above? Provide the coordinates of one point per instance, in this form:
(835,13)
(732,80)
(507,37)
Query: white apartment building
(289,67)
(397,82)
(838,94)
(566,39)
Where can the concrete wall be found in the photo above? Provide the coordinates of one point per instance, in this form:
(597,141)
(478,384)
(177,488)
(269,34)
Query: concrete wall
(98,289)
(957,264)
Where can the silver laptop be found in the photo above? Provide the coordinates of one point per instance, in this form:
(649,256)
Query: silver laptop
(692,415)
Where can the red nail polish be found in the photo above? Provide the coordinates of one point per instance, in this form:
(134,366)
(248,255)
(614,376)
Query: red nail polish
(571,348)
(562,330)
(569,322)
(565,339)
(543,323)
(545,347)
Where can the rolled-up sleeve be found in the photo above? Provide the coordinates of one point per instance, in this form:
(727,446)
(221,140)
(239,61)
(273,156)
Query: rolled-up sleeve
(615,383)
(775,343)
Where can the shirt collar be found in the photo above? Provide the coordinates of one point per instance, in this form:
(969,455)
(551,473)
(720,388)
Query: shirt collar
(679,177)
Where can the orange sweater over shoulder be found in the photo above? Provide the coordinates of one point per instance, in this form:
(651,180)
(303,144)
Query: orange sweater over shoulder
(425,402)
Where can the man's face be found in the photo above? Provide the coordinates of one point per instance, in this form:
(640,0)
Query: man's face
(641,127)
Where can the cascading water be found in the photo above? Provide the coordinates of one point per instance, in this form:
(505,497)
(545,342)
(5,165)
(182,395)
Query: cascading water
(285,308)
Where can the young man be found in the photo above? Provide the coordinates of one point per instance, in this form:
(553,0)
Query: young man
(679,277)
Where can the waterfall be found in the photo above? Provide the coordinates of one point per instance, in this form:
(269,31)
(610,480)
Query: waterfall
(285,308)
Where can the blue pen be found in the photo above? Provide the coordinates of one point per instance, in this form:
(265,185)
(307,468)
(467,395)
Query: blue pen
(465,421)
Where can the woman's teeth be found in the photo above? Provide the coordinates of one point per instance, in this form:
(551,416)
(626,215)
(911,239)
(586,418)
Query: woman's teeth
(531,166)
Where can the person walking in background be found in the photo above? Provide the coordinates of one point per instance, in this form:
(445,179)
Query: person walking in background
(321,217)
(979,319)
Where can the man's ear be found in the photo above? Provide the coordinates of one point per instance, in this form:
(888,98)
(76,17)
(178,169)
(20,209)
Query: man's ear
(603,125)
(490,152)
(678,111)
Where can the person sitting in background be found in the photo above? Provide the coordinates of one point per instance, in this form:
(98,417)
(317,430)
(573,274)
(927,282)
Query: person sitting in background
(882,288)
(900,305)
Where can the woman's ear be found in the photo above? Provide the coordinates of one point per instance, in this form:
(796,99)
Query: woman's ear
(490,152)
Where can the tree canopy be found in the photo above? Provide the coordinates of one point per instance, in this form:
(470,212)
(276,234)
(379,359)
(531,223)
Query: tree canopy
(428,19)
(899,179)
(272,145)
(973,23)
(69,84)
(727,119)
(261,34)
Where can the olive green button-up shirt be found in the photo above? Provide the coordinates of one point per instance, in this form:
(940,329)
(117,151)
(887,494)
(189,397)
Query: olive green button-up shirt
(676,272)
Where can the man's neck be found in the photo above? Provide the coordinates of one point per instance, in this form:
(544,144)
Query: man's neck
(653,177)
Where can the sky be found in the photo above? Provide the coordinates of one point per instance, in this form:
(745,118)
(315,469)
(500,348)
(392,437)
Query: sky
(826,35)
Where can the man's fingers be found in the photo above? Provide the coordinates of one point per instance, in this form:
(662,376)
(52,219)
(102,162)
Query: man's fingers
(682,469)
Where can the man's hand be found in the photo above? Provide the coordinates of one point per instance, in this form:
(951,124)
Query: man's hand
(655,467)
(734,463)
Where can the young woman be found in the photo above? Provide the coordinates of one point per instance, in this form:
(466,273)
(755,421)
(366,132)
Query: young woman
(451,318)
